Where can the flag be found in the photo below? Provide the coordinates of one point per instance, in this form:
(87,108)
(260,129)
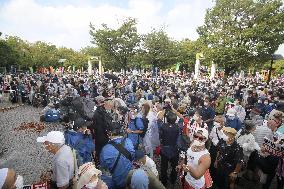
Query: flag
(177,67)
(31,70)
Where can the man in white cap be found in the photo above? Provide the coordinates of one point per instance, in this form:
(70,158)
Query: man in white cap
(9,180)
(63,165)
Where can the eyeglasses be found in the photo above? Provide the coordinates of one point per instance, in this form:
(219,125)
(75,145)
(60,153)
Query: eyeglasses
(199,138)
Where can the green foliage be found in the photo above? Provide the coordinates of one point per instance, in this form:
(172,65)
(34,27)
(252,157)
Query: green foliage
(159,49)
(118,45)
(241,32)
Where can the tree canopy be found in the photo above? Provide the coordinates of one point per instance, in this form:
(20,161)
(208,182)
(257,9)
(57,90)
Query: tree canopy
(235,35)
(238,33)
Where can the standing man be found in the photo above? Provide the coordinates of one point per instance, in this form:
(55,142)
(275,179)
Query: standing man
(208,113)
(63,165)
(102,122)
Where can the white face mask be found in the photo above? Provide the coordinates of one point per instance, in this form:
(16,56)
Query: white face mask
(231,117)
(198,143)
(217,124)
(225,137)
(92,185)
(195,117)
(19,182)
(205,103)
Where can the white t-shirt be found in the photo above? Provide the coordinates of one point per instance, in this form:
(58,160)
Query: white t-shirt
(215,133)
(150,164)
(192,160)
(63,166)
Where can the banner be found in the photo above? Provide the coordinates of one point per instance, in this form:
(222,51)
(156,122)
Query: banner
(273,148)
(177,67)
(31,70)
(36,186)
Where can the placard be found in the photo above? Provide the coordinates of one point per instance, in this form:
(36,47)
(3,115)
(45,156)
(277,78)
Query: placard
(273,148)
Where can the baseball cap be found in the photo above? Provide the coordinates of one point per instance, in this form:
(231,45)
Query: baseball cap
(86,172)
(55,137)
(139,180)
(139,154)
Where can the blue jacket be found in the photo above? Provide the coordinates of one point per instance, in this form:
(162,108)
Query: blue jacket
(135,124)
(84,145)
(235,123)
(108,157)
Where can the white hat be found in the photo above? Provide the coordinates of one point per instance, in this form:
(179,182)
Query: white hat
(231,112)
(203,132)
(3,175)
(86,172)
(55,137)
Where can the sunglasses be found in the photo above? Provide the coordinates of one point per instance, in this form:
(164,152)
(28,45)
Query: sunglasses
(199,137)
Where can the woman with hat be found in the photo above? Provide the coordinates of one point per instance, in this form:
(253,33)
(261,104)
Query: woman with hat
(89,177)
(229,159)
(198,162)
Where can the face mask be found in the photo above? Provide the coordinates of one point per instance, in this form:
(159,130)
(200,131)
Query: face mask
(205,103)
(198,143)
(195,117)
(91,185)
(19,182)
(266,103)
(217,124)
(132,115)
(259,101)
(231,117)
(225,137)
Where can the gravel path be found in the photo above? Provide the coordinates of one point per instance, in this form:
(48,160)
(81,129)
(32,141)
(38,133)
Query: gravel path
(19,149)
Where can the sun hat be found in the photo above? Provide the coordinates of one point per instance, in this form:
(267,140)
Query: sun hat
(86,172)
(55,137)
(230,130)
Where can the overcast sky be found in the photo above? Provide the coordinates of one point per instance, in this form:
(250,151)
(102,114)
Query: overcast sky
(66,22)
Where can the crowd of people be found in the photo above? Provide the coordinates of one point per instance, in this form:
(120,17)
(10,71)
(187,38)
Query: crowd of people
(211,132)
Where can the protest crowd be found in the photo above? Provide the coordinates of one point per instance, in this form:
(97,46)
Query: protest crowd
(154,131)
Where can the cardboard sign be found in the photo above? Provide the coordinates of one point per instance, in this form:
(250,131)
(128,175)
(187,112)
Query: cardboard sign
(36,186)
(273,148)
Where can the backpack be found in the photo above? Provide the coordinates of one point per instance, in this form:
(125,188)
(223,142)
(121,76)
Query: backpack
(51,115)
(121,150)
(145,126)
(83,147)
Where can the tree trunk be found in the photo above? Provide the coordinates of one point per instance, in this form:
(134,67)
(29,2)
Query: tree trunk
(270,70)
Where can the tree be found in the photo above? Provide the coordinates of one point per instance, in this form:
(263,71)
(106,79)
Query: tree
(118,46)
(160,50)
(238,33)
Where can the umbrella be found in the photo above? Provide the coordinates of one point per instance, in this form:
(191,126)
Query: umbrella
(111,76)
